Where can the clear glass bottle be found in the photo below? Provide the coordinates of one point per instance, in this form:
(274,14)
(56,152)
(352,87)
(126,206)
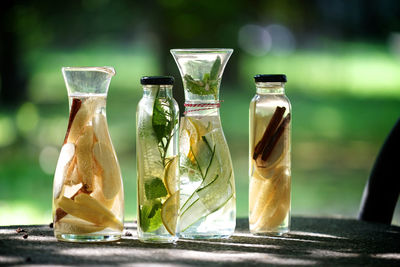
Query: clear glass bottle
(208,201)
(269,158)
(88,196)
(157,124)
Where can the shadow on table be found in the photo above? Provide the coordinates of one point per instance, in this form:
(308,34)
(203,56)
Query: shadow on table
(322,241)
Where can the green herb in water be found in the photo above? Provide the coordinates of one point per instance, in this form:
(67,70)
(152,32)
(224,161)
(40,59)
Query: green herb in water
(164,122)
(150,216)
(155,188)
(208,85)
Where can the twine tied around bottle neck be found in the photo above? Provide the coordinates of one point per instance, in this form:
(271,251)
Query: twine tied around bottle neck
(201,106)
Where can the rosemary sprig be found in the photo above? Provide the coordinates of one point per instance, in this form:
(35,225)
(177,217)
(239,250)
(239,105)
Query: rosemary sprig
(164,121)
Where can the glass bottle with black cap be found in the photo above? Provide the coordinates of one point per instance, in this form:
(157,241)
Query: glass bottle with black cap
(270,157)
(157,124)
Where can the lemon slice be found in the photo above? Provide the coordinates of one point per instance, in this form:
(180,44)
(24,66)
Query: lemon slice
(169,213)
(196,128)
(170,179)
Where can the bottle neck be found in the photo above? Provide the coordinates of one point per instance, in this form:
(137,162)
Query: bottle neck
(159,91)
(264,88)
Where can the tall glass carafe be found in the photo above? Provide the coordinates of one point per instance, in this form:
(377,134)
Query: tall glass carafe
(88,199)
(270,166)
(157,124)
(208,201)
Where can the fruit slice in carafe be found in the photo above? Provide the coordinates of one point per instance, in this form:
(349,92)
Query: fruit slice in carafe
(212,162)
(269,199)
(85,200)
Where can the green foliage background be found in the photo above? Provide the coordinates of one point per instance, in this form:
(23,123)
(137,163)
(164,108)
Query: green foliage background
(345,93)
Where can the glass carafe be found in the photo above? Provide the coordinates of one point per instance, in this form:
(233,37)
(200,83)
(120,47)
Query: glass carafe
(208,200)
(88,199)
(270,166)
(157,124)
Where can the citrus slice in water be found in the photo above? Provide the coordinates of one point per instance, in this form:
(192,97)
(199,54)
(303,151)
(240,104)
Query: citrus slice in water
(170,175)
(169,213)
(195,130)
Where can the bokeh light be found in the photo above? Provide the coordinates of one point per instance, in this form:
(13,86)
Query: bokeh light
(7,131)
(254,40)
(48,159)
(283,41)
(27,117)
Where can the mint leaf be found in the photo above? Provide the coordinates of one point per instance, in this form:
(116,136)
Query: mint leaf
(155,188)
(159,120)
(215,69)
(150,216)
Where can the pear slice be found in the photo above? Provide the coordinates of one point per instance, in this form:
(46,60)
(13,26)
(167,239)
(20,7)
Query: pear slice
(266,196)
(64,160)
(105,157)
(75,177)
(76,226)
(100,128)
(89,209)
(72,177)
(81,118)
(278,204)
(71,190)
(84,157)
(98,193)
(255,187)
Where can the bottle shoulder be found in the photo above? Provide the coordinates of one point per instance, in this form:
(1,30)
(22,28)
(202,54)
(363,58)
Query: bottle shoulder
(261,101)
(146,102)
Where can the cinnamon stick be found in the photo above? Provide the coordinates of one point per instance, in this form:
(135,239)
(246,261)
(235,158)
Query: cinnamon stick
(60,213)
(269,131)
(274,140)
(76,105)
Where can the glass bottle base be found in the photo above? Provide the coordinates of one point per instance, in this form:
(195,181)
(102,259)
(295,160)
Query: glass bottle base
(281,232)
(155,240)
(204,236)
(87,238)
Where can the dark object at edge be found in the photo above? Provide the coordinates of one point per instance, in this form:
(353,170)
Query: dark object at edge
(382,189)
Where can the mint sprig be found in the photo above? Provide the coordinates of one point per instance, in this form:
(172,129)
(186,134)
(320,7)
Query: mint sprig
(150,216)
(208,85)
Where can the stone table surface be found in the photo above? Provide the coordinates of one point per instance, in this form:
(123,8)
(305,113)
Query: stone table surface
(312,241)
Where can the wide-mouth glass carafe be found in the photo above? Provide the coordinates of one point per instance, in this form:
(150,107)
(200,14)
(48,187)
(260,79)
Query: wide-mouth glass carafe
(88,199)
(207,187)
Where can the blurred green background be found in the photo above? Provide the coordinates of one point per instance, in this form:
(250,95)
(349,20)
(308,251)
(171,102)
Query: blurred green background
(342,59)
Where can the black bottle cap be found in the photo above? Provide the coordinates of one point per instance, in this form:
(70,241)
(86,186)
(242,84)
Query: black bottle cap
(157,80)
(270,78)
